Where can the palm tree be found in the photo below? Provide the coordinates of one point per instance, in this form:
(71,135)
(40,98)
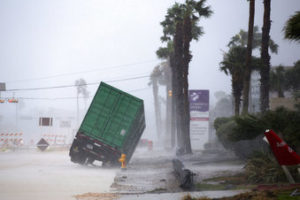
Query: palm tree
(292,27)
(81,86)
(265,57)
(292,78)
(165,79)
(181,26)
(233,64)
(247,71)
(277,80)
(167,53)
(241,39)
(154,80)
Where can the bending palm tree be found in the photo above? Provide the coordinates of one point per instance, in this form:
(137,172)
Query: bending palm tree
(233,64)
(181,26)
(81,89)
(277,81)
(292,28)
(154,79)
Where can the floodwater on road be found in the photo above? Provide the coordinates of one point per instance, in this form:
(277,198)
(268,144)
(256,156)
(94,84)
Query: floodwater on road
(49,176)
(153,171)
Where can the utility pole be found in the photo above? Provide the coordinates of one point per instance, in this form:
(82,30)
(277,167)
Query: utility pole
(17,116)
(2,88)
(77,123)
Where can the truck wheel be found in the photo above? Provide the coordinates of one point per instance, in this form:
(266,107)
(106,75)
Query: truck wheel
(76,153)
(89,160)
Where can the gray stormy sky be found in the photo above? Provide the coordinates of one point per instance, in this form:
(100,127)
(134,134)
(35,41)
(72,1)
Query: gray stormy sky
(117,39)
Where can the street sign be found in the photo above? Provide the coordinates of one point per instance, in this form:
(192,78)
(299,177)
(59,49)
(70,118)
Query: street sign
(42,144)
(199,118)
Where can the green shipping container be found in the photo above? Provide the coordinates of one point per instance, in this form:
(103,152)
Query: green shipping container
(112,125)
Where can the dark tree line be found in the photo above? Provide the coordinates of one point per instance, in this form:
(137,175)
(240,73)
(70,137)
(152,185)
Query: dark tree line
(285,79)
(234,62)
(240,67)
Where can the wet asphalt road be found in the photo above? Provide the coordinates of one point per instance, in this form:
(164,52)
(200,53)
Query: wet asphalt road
(34,175)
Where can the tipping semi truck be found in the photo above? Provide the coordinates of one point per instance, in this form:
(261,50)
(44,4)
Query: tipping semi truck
(112,126)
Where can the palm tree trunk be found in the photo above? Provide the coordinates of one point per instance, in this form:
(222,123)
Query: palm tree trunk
(187,27)
(157,108)
(248,58)
(178,50)
(265,57)
(280,92)
(173,102)
(237,88)
(237,103)
(169,103)
(77,117)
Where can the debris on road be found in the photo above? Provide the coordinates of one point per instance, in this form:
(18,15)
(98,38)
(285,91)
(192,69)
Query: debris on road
(147,173)
(184,175)
(154,173)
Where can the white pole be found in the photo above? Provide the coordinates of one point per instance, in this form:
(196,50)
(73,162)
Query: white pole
(288,174)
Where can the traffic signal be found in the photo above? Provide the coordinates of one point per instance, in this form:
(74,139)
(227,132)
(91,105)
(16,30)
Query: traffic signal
(170,93)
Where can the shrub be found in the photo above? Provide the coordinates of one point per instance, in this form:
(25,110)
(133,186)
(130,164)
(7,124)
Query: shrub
(220,121)
(284,122)
(224,131)
(248,127)
(263,168)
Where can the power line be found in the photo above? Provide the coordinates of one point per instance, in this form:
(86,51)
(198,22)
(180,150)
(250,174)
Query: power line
(137,90)
(126,79)
(81,72)
(51,99)
(68,86)
(66,98)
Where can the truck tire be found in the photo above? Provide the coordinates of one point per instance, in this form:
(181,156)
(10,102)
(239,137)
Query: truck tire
(76,153)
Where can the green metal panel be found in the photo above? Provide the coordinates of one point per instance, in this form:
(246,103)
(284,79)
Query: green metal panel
(113,117)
